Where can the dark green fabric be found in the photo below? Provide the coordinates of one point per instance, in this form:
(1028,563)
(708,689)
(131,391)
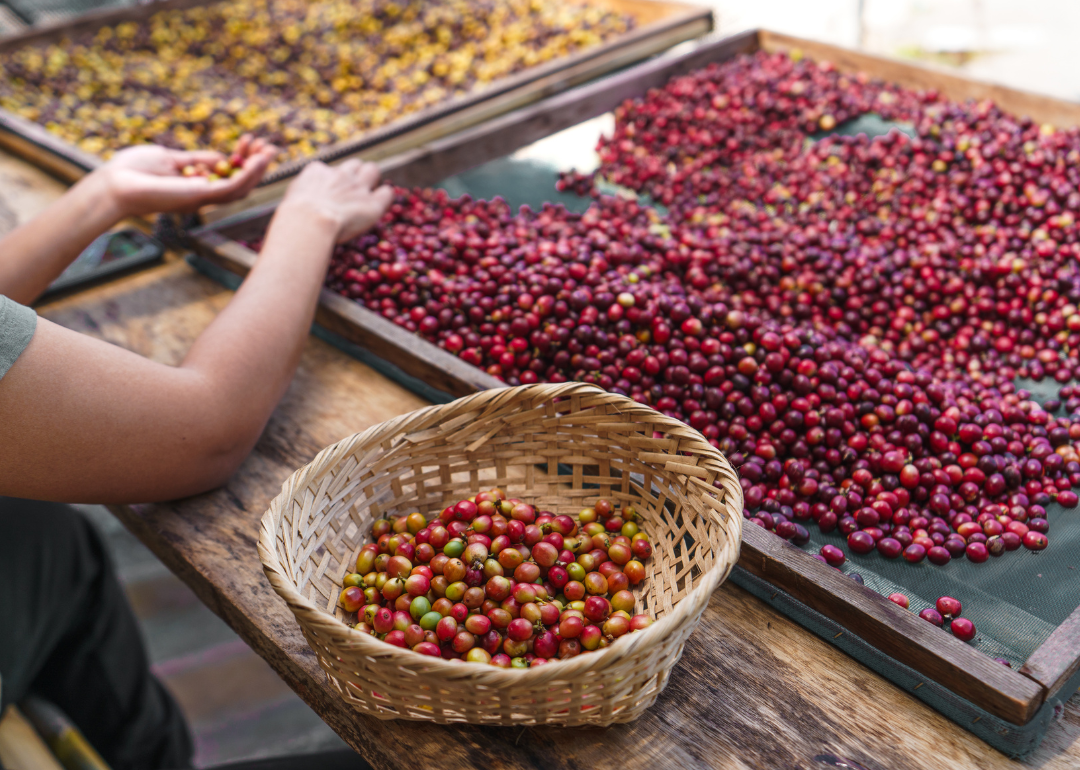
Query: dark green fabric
(68,635)
(17,325)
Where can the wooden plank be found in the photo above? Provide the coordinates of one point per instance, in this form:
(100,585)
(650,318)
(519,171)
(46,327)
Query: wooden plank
(660,25)
(33,143)
(1044,109)
(752,689)
(1057,660)
(25,192)
(893,630)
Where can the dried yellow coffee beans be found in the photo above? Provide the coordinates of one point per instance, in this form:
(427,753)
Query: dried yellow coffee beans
(302,74)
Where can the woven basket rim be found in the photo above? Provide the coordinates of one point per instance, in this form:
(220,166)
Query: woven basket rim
(556,669)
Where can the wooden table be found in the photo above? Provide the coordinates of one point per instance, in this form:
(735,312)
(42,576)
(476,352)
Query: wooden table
(753,689)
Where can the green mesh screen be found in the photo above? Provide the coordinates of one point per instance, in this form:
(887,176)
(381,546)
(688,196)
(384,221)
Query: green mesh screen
(43,11)
(1015,600)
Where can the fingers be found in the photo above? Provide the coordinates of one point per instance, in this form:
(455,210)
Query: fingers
(206,157)
(362,173)
(259,145)
(314,170)
(349,171)
(383,196)
(368,175)
(244,145)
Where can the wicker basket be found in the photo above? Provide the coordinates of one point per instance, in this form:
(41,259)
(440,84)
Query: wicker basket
(518,439)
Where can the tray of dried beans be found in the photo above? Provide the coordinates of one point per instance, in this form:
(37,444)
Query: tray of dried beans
(323,79)
(856,278)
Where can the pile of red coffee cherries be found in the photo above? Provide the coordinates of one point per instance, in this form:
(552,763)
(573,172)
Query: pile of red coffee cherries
(492,580)
(945,610)
(843,318)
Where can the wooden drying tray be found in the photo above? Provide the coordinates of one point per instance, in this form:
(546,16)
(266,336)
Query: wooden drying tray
(1015,696)
(660,24)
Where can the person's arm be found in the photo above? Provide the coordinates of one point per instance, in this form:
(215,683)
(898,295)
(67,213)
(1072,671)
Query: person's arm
(137,181)
(84,421)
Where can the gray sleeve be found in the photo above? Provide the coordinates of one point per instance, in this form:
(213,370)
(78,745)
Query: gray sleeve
(17,325)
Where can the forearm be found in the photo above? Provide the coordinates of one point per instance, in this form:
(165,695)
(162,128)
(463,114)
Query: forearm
(253,347)
(84,420)
(33,255)
(166,431)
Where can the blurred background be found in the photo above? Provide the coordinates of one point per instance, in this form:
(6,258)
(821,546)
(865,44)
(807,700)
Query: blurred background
(1022,43)
(1027,44)
(237,705)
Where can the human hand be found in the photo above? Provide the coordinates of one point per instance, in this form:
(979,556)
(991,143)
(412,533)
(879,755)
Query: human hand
(148,179)
(345,196)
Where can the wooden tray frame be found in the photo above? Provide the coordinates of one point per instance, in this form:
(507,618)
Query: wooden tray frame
(1014,696)
(661,24)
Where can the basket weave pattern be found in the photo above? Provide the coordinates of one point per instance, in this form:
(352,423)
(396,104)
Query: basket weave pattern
(517,439)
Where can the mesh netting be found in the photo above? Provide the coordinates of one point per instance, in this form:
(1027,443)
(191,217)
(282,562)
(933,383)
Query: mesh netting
(41,11)
(1015,600)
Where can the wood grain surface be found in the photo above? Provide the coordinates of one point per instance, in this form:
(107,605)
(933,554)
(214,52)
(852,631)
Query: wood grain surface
(1058,658)
(753,689)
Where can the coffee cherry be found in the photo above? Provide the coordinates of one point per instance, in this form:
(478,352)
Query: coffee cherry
(1035,541)
(963,629)
(352,599)
(938,555)
(480,614)
(860,542)
(889,547)
(949,607)
(933,616)
(977,552)
(833,556)
(914,553)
